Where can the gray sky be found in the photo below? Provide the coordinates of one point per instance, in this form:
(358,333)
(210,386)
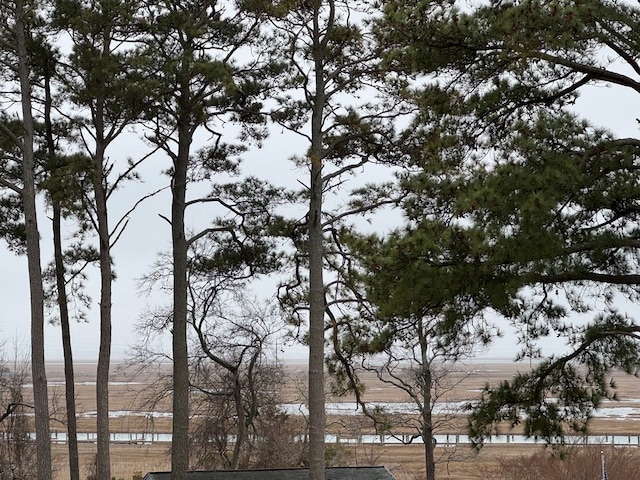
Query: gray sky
(148,234)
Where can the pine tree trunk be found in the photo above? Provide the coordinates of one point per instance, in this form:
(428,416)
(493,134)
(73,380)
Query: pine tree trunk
(429,442)
(179,446)
(426,379)
(316,331)
(38,371)
(103,466)
(103,460)
(63,307)
(69,377)
(316,287)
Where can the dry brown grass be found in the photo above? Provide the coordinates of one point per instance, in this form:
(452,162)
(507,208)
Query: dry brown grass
(405,461)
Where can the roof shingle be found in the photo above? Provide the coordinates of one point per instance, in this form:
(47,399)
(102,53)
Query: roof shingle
(331,473)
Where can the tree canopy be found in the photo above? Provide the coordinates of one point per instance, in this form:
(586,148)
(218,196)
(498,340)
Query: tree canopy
(550,197)
(509,201)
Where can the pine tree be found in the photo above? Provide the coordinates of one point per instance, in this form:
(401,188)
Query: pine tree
(192,51)
(101,77)
(329,59)
(555,196)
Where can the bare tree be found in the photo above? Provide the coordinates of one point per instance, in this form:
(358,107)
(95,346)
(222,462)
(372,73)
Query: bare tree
(425,376)
(17,448)
(230,334)
(278,443)
(576,461)
(410,355)
(234,379)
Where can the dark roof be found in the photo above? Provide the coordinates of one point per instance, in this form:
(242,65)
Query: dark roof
(331,473)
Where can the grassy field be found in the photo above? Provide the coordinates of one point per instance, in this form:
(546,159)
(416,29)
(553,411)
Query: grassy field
(405,461)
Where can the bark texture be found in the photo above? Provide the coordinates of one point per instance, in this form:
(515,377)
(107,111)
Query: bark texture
(317,418)
(38,371)
(180,428)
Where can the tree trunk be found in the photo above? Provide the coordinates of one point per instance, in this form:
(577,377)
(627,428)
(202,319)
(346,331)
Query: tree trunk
(241,431)
(317,305)
(38,371)
(99,180)
(428,439)
(180,427)
(63,306)
(316,327)
(316,286)
(69,377)
(103,461)
(426,379)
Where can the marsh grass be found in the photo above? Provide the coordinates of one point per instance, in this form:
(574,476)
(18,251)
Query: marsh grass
(404,461)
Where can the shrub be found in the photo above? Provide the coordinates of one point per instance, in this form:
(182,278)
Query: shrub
(578,462)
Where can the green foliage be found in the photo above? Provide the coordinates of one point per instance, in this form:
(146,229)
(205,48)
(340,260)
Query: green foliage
(519,52)
(12,228)
(513,201)
(65,181)
(190,52)
(102,77)
(11,223)
(557,397)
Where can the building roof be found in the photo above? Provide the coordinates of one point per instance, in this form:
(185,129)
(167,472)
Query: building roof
(331,473)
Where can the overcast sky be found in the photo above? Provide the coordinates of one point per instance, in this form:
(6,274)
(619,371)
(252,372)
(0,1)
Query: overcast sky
(148,234)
